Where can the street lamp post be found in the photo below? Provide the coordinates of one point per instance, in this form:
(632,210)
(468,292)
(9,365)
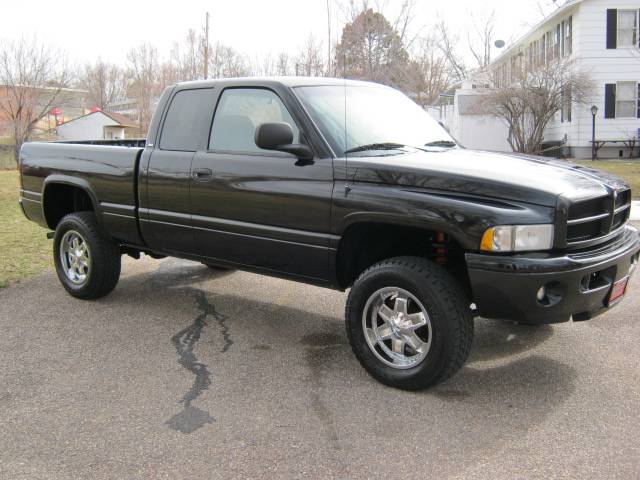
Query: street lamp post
(594,151)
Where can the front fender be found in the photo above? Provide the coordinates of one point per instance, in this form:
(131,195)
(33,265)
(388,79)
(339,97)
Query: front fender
(463,217)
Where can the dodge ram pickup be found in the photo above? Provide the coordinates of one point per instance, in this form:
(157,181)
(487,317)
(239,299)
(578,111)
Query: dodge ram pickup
(345,185)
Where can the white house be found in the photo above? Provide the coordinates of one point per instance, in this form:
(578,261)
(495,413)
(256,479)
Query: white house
(97,125)
(603,36)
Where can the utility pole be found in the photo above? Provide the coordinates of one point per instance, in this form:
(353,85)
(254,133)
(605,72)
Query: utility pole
(206,46)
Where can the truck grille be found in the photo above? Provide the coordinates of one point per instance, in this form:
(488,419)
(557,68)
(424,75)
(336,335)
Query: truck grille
(597,218)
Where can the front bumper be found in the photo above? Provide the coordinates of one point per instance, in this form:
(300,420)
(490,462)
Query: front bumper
(577,284)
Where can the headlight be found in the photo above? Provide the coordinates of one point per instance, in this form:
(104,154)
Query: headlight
(517,238)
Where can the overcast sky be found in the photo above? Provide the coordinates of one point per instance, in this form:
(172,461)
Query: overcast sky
(87,30)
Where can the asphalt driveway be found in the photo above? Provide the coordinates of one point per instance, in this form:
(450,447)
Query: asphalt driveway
(186,373)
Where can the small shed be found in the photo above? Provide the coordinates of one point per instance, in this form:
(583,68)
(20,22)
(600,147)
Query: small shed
(96,125)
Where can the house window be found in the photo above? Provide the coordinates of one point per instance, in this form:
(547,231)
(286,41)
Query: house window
(627,28)
(556,41)
(513,69)
(626,100)
(551,46)
(565,100)
(568,36)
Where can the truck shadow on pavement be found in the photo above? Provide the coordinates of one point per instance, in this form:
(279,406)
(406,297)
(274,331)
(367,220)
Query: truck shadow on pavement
(503,371)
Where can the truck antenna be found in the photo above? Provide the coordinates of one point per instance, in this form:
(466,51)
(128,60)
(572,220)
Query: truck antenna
(206,46)
(347,187)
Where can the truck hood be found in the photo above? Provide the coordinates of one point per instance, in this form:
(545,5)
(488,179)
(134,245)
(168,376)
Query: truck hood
(531,179)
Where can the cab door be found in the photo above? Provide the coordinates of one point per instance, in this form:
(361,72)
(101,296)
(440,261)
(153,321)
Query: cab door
(165,217)
(262,209)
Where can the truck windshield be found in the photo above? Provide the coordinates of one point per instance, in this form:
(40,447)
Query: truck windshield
(374,120)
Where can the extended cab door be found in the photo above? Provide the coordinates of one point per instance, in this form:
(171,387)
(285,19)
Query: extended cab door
(165,213)
(259,208)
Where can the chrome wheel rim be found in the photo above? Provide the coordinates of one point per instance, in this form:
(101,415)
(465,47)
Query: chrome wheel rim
(397,327)
(75,259)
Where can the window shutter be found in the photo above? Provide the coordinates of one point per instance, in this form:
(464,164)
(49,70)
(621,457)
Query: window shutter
(610,100)
(612,28)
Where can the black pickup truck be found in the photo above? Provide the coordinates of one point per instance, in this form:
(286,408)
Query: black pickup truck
(346,185)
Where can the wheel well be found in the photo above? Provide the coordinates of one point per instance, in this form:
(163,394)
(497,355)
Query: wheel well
(61,199)
(362,245)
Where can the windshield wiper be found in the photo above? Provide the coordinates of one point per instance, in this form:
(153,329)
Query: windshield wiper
(376,146)
(441,143)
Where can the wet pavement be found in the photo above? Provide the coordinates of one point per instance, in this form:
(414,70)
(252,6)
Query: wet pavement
(184,372)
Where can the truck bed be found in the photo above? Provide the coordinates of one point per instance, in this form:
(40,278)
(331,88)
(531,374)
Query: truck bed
(127,142)
(106,169)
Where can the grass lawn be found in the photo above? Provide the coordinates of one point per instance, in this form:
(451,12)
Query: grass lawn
(6,160)
(629,170)
(25,249)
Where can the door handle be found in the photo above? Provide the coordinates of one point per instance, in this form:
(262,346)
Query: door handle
(202,174)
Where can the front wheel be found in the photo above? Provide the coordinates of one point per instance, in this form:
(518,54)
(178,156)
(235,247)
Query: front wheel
(86,258)
(409,323)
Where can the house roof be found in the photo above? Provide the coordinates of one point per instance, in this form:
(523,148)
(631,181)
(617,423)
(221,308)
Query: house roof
(559,11)
(123,120)
(118,118)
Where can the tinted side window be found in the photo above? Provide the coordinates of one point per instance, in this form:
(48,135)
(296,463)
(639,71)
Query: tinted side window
(186,120)
(240,111)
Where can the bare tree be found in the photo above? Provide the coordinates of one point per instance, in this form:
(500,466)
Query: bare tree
(533,98)
(448,44)
(402,23)
(104,83)
(32,77)
(224,61)
(309,60)
(283,66)
(433,75)
(263,65)
(481,42)
(187,58)
(145,85)
(546,7)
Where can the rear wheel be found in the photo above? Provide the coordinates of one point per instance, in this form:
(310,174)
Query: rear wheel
(409,323)
(87,260)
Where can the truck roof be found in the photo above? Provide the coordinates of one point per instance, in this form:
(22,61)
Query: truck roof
(285,81)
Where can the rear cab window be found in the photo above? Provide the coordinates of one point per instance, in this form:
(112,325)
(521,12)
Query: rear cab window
(187,120)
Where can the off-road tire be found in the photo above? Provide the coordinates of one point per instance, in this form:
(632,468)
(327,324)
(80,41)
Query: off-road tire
(448,308)
(105,257)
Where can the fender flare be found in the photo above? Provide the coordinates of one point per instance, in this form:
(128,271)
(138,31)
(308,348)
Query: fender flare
(80,183)
(390,219)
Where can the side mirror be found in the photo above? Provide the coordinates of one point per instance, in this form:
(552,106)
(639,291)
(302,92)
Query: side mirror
(279,136)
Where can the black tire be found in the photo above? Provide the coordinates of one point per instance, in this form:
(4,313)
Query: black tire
(447,306)
(104,254)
